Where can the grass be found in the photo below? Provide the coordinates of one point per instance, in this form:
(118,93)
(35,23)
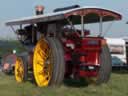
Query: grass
(117,86)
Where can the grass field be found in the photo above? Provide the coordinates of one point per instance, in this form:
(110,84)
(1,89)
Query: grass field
(118,86)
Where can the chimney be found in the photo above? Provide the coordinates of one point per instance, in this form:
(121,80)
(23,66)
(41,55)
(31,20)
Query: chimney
(39,9)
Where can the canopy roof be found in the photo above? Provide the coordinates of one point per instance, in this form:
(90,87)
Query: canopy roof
(91,14)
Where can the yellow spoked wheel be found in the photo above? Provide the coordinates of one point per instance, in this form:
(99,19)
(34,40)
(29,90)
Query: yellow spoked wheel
(48,62)
(19,70)
(42,63)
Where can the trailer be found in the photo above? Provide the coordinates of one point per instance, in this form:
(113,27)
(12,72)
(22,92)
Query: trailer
(57,49)
(118,52)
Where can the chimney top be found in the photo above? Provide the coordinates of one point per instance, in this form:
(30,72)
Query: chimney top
(39,9)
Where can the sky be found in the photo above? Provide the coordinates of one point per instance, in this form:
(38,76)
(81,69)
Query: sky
(13,9)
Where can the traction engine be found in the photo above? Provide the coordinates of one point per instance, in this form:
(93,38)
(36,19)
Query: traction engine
(57,48)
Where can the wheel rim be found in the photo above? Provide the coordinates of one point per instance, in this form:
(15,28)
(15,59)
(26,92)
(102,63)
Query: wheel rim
(19,70)
(42,63)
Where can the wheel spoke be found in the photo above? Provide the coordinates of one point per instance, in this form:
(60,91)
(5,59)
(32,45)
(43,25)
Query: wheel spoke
(40,63)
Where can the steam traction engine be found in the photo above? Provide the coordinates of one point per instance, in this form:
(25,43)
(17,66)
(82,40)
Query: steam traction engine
(58,48)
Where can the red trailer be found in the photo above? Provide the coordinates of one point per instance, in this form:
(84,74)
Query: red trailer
(58,48)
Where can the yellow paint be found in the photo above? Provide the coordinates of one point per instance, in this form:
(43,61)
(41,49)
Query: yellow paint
(19,70)
(42,63)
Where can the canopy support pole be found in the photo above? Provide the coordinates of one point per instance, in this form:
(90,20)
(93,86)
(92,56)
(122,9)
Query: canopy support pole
(20,26)
(34,35)
(101,26)
(70,22)
(82,26)
(13,29)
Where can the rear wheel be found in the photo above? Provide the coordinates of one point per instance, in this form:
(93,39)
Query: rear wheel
(21,69)
(105,65)
(48,62)
(104,70)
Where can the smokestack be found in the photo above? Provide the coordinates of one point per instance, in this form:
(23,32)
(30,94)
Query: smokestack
(39,9)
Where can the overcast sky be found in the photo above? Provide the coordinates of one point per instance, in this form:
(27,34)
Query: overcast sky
(12,9)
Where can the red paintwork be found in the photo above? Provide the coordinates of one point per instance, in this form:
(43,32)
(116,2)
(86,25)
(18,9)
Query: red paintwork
(99,12)
(87,73)
(87,51)
(8,63)
(9,58)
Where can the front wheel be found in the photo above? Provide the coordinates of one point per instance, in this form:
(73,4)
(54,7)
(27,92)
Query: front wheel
(21,69)
(48,62)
